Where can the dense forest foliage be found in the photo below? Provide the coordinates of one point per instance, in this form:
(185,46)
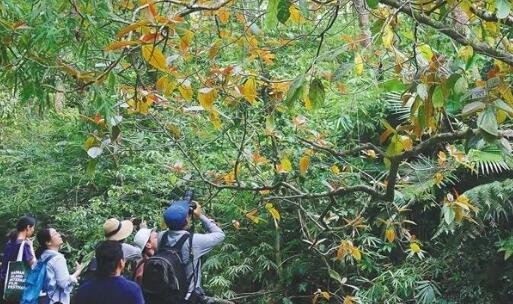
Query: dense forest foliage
(353,151)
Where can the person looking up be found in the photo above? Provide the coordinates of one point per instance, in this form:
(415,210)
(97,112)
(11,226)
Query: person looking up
(58,282)
(146,240)
(178,218)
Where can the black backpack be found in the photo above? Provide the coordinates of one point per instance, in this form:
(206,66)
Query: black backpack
(164,279)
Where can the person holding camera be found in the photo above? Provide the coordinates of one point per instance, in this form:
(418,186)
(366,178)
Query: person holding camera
(179,218)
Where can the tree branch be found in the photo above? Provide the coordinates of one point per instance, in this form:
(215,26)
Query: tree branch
(490,17)
(479,47)
(352,151)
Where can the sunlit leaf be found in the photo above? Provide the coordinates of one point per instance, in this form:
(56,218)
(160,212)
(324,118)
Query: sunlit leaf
(358,64)
(273,211)
(154,57)
(304,162)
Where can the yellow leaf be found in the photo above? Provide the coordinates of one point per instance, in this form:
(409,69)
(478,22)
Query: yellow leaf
(154,57)
(214,118)
(370,153)
(501,116)
(407,143)
(335,169)
(426,51)
(145,105)
(342,250)
(120,44)
(186,90)
(165,85)
(89,143)
(229,178)
(388,37)
(458,213)
(274,213)
(505,92)
(286,165)
(348,300)
(214,49)
(131,27)
(206,97)
(442,158)
(248,90)
(358,64)
(355,252)
(308,103)
(223,14)
(325,295)
(390,234)
(466,52)
(252,215)
(185,40)
(304,162)
(295,14)
(415,247)
(438,177)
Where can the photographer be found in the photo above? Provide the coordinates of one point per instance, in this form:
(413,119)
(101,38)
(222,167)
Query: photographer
(178,218)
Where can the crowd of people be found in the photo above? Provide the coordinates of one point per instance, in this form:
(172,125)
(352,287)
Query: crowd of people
(165,267)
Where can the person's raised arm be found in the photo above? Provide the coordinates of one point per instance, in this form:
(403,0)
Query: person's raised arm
(204,242)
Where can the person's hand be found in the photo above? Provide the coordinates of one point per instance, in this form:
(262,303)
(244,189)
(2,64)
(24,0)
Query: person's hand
(143,224)
(197,211)
(78,268)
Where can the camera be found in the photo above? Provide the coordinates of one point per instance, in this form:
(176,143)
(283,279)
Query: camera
(188,197)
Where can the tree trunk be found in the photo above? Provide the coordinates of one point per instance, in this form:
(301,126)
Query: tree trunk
(363,22)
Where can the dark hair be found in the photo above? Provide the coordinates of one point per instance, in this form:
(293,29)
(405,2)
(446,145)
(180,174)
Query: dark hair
(108,254)
(22,224)
(42,237)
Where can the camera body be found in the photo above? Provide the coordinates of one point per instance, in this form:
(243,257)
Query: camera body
(188,197)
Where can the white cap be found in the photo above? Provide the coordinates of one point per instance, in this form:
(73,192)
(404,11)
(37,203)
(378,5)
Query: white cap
(142,236)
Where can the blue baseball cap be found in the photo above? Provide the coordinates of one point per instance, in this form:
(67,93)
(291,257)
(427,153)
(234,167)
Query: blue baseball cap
(175,215)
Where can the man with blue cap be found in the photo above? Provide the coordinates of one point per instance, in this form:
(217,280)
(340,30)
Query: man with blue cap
(177,218)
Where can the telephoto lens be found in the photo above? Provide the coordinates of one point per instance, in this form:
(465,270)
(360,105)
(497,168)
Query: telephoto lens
(188,197)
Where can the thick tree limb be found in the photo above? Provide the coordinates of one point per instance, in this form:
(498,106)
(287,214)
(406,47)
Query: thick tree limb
(339,191)
(366,146)
(490,17)
(479,47)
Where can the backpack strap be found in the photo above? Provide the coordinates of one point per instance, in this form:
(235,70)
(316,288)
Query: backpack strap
(19,257)
(163,241)
(178,246)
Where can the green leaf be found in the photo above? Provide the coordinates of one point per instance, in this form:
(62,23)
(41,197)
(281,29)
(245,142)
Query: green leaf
(335,275)
(295,91)
(448,213)
(487,121)
(373,3)
(316,93)
(283,11)
(438,97)
(91,167)
(500,104)
(473,107)
(460,86)
(271,19)
(393,85)
(503,8)
(395,147)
